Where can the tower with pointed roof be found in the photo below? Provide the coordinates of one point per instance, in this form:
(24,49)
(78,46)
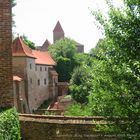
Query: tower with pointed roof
(45,46)
(58,32)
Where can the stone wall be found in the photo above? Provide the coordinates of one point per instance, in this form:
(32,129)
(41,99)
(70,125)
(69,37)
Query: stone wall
(63,88)
(20,100)
(6,85)
(31,74)
(35,127)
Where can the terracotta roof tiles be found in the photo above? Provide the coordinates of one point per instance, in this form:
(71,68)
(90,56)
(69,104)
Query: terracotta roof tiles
(16,78)
(19,48)
(43,58)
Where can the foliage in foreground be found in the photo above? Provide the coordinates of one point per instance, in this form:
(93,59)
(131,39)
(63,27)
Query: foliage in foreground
(115,78)
(9,125)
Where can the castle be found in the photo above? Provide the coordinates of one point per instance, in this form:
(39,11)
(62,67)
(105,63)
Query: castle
(35,79)
(58,33)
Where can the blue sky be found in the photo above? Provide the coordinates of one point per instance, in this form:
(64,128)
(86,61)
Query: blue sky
(36,19)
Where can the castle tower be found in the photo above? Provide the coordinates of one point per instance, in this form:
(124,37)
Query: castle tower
(6,78)
(58,32)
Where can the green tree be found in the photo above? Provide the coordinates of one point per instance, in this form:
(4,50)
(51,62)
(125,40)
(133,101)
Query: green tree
(80,84)
(116,66)
(13,3)
(28,42)
(63,51)
(13,22)
(122,69)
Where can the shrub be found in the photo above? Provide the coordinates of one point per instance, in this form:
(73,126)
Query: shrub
(9,125)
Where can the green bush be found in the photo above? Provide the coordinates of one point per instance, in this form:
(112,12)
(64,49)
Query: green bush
(77,110)
(9,125)
(46,104)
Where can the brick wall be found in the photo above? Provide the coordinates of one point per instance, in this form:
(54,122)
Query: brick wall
(6,91)
(35,127)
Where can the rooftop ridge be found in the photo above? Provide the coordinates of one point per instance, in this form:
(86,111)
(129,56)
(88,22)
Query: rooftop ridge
(19,48)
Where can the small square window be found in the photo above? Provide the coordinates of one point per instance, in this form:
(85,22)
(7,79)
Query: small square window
(38,82)
(35,68)
(45,82)
(30,66)
(31,80)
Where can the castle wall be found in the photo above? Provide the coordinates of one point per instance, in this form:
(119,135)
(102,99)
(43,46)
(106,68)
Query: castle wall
(19,66)
(6,79)
(37,85)
(36,80)
(20,101)
(36,127)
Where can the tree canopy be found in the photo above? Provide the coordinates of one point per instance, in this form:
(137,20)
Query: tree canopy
(63,51)
(115,65)
(28,42)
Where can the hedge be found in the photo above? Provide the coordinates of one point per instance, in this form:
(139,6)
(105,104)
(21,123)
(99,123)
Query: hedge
(9,124)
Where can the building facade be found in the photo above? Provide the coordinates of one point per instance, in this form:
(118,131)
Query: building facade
(34,68)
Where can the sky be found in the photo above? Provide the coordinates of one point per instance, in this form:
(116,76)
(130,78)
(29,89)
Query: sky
(37,19)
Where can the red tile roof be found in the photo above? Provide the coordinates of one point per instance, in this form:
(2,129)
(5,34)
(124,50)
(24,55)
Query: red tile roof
(16,78)
(43,58)
(19,48)
(58,28)
(56,106)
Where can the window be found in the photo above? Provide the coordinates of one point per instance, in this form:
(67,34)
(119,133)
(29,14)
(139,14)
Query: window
(45,82)
(30,66)
(40,68)
(35,68)
(38,82)
(31,80)
(45,68)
